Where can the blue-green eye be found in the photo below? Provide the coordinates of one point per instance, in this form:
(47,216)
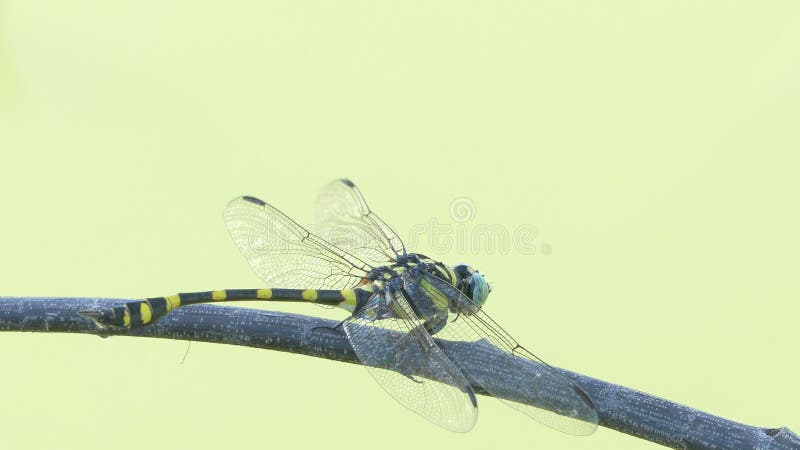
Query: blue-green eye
(480,289)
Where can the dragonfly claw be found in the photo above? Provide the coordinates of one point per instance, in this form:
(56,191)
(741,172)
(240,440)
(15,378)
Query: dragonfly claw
(100,317)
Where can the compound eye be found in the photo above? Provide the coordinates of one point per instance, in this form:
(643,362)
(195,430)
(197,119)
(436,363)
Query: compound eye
(480,289)
(488,284)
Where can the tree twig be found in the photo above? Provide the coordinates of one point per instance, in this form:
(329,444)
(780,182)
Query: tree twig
(620,408)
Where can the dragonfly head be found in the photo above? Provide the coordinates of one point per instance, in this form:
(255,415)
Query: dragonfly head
(472,283)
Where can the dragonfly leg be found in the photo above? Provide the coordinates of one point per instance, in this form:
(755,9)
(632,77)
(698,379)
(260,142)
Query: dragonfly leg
(335,329)
(411,377)
(108,320)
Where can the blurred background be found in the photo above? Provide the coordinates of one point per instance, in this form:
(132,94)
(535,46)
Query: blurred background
(647,151)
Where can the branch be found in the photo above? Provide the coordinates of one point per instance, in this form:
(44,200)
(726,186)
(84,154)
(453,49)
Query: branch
(620,408)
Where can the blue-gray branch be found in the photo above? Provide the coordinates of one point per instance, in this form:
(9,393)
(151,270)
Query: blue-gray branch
(620,408)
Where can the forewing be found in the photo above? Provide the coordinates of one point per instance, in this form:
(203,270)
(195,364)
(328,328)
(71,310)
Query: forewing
(286,255)
(564,405)
(392,343)
(345,219)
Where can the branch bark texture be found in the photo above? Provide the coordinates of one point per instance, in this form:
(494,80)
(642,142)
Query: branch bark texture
(623,409)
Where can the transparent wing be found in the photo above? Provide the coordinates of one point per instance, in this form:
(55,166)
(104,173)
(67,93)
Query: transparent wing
(576,413)
(392,343)
(344,219)
(286,255)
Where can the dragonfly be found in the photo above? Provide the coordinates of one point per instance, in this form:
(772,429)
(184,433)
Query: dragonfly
(398,302)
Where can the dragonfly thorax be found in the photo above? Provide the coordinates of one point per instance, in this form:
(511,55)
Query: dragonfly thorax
(468,281)
(382,274)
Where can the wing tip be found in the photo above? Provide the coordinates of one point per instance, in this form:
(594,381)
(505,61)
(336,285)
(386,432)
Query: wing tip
(585,397)
(253,200)
(590,416)
(472,398)
(347,182)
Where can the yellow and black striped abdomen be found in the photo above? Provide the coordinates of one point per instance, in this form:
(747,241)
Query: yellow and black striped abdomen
(143,312)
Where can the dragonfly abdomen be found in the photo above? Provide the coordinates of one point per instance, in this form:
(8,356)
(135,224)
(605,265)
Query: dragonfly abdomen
(147,311)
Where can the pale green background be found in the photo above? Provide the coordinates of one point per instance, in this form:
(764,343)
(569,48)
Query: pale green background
(653,145)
